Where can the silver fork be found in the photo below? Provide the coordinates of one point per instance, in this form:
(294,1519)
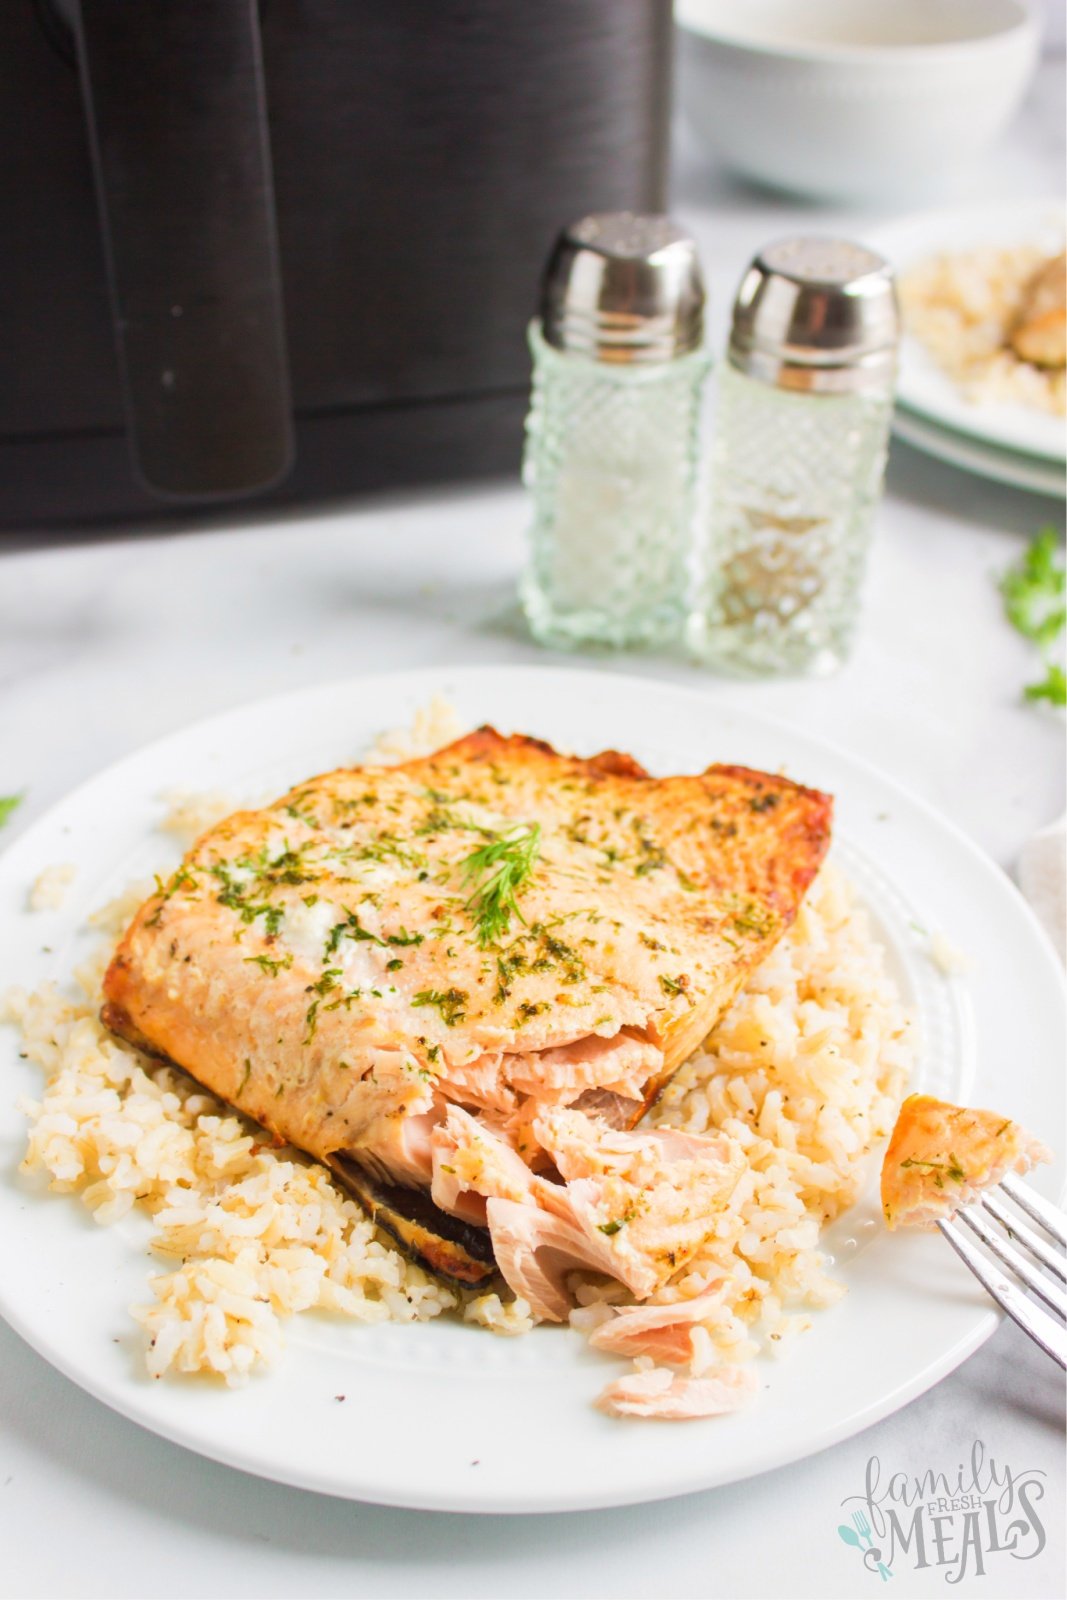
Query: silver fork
(1039,1265)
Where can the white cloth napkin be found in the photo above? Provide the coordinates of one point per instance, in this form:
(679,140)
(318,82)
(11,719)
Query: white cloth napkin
(1042,875)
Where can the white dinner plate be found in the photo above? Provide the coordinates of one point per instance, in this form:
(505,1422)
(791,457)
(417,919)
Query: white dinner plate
(921,385)
(974,455)
(446,1416)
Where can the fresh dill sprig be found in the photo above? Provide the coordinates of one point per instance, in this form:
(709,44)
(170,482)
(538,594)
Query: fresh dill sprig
(497,871)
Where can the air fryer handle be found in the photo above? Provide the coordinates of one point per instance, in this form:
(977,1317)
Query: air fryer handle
(177,118)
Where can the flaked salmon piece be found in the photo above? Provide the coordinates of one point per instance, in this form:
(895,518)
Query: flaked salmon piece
(651,1233)
(664,1332)
(621,1065)
(662,1393)
(586,1147)
(400,1149)
(480,1083)
(675,1145)
(472,1164)
(607,1108)
(537,1250)
(328,965)
(559,1075)
(638,1218)
(941,1157)
(544,1231)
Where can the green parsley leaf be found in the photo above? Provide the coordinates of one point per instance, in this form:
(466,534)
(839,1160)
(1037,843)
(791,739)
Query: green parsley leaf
(268,964)
(1033,591)
(1052,687)
(451,1003)
(9,803)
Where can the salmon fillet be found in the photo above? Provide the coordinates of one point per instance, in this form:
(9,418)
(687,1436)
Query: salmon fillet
(336,967)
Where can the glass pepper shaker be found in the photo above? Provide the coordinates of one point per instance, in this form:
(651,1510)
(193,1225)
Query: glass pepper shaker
(611,436)
(798,455)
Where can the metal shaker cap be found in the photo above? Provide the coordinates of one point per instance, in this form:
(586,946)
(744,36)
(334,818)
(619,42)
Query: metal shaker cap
(624,288)
(817,314)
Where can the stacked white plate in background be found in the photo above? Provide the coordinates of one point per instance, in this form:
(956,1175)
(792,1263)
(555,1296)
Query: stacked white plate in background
(1011,443)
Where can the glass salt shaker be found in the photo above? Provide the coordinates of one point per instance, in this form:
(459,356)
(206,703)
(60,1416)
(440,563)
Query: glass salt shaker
(611,437)
(798,455)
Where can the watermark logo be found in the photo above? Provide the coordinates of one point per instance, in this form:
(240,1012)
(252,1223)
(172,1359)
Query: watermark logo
(859,1534)
(954,1520)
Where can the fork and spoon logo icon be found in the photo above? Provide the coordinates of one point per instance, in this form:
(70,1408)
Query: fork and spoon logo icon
(859,1535)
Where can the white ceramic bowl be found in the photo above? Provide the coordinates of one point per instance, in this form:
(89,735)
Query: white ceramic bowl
(853,99)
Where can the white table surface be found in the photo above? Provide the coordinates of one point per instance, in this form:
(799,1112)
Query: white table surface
(106,642)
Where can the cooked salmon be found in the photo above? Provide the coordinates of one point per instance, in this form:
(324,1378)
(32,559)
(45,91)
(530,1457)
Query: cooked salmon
(661,1393)
(663,1332)
(941,1157)
(1040,332)
(461,979)
(635,1207)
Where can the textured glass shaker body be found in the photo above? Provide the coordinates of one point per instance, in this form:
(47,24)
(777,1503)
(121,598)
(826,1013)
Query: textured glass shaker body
(797,457)
(611,467)
(795,479)
(611,435)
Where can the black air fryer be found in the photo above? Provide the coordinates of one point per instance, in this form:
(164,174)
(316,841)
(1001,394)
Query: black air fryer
(288,250)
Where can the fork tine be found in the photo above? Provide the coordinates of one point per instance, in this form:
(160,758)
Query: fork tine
(1018,1231)
(1017,1263)
(1042,1328)
(1036,1206)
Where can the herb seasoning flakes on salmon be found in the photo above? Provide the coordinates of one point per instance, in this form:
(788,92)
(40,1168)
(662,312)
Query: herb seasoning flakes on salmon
(460,982)
(941,1157)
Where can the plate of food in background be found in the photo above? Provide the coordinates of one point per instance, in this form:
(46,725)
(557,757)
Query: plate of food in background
(493,1122)
(982,293)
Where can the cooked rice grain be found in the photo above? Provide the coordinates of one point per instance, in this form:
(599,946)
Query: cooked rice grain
(433,725)
(258,1234)
(806,1071)
(49,889)
(190,814)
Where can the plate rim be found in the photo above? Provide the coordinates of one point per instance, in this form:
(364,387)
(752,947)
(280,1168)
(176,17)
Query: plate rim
(127,1400)
(967,453)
